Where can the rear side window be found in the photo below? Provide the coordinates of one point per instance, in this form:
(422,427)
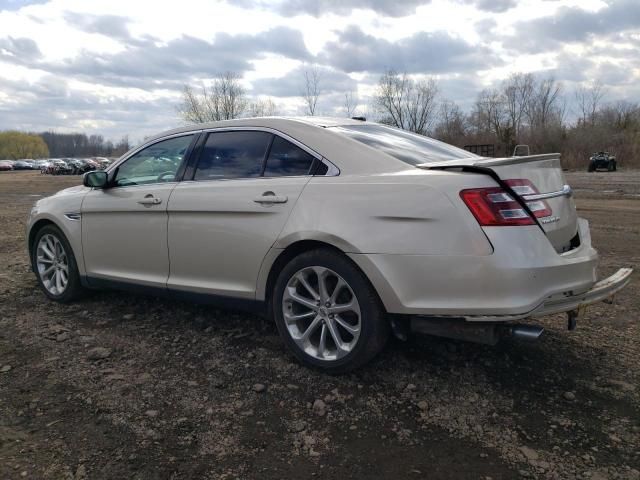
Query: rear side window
(286,160)
(409,147)
(233,155)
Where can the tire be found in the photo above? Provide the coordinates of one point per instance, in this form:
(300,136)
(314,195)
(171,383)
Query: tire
(368,329)
(56,243)
(591,168)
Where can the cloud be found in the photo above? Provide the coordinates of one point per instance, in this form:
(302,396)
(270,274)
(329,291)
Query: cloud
(51,104)
(292,84)
(423,52)
(19,50)
(573,24)
(113,26)
(495,6)
(18,4)
(147,63)
(318,8)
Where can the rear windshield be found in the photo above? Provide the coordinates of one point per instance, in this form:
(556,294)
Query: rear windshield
(409,147)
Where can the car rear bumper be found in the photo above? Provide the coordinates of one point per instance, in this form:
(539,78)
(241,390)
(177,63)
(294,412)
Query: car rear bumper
(603,290)
(523,277)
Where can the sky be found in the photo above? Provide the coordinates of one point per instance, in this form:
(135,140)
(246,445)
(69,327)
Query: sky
(117,67)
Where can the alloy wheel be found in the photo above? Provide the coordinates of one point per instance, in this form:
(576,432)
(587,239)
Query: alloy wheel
(52,263)
(321,313)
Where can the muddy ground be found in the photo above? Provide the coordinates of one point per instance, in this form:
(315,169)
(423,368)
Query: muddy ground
(183,391)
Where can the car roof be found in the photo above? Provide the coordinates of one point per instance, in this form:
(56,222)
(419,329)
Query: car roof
(278,123)
(346,153)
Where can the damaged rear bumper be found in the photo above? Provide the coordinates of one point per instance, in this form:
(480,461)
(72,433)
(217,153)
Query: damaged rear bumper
(603,290)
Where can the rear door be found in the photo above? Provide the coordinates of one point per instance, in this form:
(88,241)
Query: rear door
(225,219)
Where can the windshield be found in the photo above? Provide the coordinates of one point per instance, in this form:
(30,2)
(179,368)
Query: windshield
(409,147)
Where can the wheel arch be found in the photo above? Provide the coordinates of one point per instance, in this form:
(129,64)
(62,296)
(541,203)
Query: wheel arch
(282,257)
(74,242)
(33,231)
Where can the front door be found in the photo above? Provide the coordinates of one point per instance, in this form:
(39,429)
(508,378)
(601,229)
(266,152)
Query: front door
(223,223)
(124,227)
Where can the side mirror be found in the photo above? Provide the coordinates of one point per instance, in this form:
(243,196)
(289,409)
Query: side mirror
(97,179)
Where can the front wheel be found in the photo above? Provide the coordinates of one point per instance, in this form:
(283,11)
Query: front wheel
(327,312)
(55,265)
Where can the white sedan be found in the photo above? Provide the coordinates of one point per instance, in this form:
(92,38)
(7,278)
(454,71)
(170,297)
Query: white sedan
(341,230)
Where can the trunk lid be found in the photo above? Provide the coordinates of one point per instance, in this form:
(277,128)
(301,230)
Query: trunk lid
(544,173)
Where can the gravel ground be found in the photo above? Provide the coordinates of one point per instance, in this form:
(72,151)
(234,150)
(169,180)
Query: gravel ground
(123,386)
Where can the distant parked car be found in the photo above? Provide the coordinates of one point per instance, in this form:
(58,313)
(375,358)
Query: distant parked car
(5,165)
(42,165)
(602,160)
(60,167)
(82,165)
(102,162)
(21,165)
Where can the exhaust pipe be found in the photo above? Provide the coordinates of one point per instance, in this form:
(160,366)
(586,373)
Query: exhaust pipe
(529,333)
(479,332)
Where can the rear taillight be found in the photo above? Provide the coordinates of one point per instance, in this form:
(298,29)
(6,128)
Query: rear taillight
(494,207)
(524,187)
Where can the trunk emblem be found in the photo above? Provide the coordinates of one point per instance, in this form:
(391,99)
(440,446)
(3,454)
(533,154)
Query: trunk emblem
(548,220)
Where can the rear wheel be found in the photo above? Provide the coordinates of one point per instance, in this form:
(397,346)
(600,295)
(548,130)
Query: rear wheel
(55,265)
(327,313)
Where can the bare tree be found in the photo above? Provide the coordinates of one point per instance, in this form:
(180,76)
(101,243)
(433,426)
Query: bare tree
(624,115)
(350,103)
(452,123)
(407,104)
(490,114)
(544,106)
(223,100)
(588,99)
(311,90)
(263,108)
(192,108)
(517,90)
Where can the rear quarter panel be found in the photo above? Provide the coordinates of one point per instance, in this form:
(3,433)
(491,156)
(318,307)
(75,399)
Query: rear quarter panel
(412,212)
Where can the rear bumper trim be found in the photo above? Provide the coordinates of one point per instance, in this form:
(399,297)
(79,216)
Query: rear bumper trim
(602,290)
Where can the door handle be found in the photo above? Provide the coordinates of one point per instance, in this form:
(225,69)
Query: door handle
(268,198)
(150,200)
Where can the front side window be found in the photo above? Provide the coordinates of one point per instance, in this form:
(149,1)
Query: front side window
(154,164)
(237,154)
(409,147)
(287,160)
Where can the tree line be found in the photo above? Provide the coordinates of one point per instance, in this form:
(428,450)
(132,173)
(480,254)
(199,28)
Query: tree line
(17,145)
(524,109)
(62,145)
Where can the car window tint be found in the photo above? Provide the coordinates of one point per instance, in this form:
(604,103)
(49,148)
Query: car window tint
(233,155)
(156,163)
(286,160)
(321,170)
(406,146)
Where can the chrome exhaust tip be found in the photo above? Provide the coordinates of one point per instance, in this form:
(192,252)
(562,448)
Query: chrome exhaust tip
(529,333)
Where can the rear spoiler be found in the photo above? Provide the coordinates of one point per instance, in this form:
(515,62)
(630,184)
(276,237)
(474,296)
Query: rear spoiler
(488,162)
